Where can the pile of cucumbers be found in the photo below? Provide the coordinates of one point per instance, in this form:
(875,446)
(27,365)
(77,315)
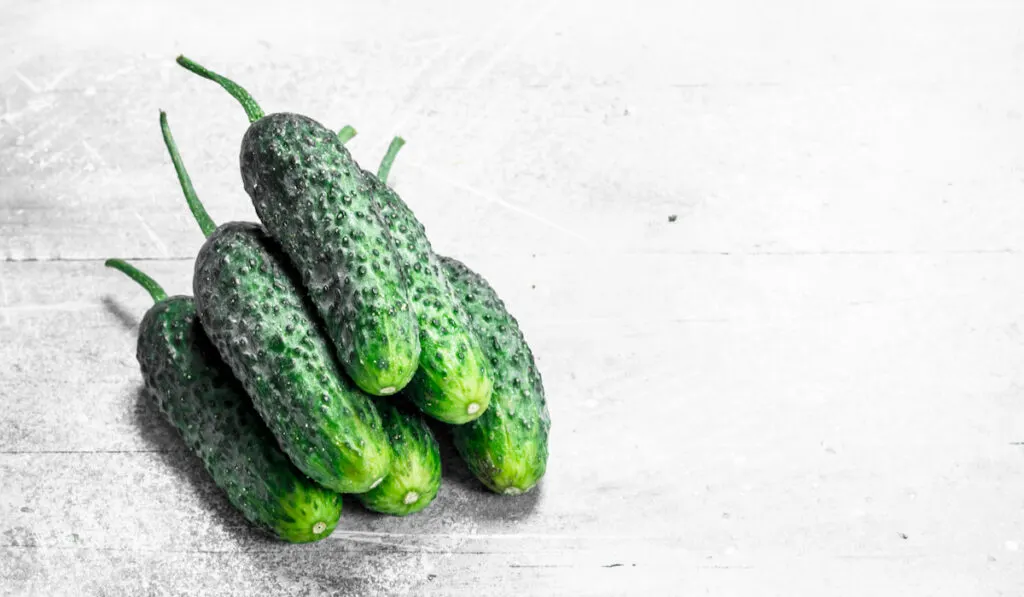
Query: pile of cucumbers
(318,340)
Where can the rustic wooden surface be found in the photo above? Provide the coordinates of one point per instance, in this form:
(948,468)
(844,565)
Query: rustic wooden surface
(809,383)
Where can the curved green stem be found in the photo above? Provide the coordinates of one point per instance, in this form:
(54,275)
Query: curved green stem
(155,290)
(206,223)
(252,109)
(389,158)
(345,134)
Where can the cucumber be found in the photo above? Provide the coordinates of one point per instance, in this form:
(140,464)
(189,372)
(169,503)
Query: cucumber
(507,447)
(319,205)
(195,390)
(415,470)
(255,312)
(453,383)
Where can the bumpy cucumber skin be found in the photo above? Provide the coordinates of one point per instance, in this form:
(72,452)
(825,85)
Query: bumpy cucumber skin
(253,309)
(507,447)
(415,470)
(316,201)
(197,393)
(453,383)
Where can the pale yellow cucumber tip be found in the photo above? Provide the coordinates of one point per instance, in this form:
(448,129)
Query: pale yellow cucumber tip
(319,527)
(377,482)
(387,390)
(512,491)
(472,408)
(411,497)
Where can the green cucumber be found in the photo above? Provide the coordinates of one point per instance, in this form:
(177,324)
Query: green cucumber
(197,393)
(254,310)
(507,447)
(415,470)
(453,383)
(319,205)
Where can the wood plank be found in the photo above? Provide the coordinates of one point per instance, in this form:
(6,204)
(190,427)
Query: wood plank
(770,154)
(878,180)
(811,331)
(326,569)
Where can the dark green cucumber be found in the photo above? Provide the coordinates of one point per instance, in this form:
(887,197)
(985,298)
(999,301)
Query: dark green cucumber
(195,390)
(507,447)
(415,470)
(254,310)
(453,383)
(317,203)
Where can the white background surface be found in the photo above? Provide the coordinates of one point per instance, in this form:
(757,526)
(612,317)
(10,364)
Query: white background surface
(809,383)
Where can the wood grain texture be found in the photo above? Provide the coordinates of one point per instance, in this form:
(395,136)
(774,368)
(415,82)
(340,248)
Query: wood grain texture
(806,382)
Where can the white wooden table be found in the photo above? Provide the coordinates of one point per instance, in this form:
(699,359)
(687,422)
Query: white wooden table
(809,383)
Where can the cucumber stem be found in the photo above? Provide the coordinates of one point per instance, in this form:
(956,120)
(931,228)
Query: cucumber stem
(346,134)
(252,109)
(206,223)
(155,290)
(389,158)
